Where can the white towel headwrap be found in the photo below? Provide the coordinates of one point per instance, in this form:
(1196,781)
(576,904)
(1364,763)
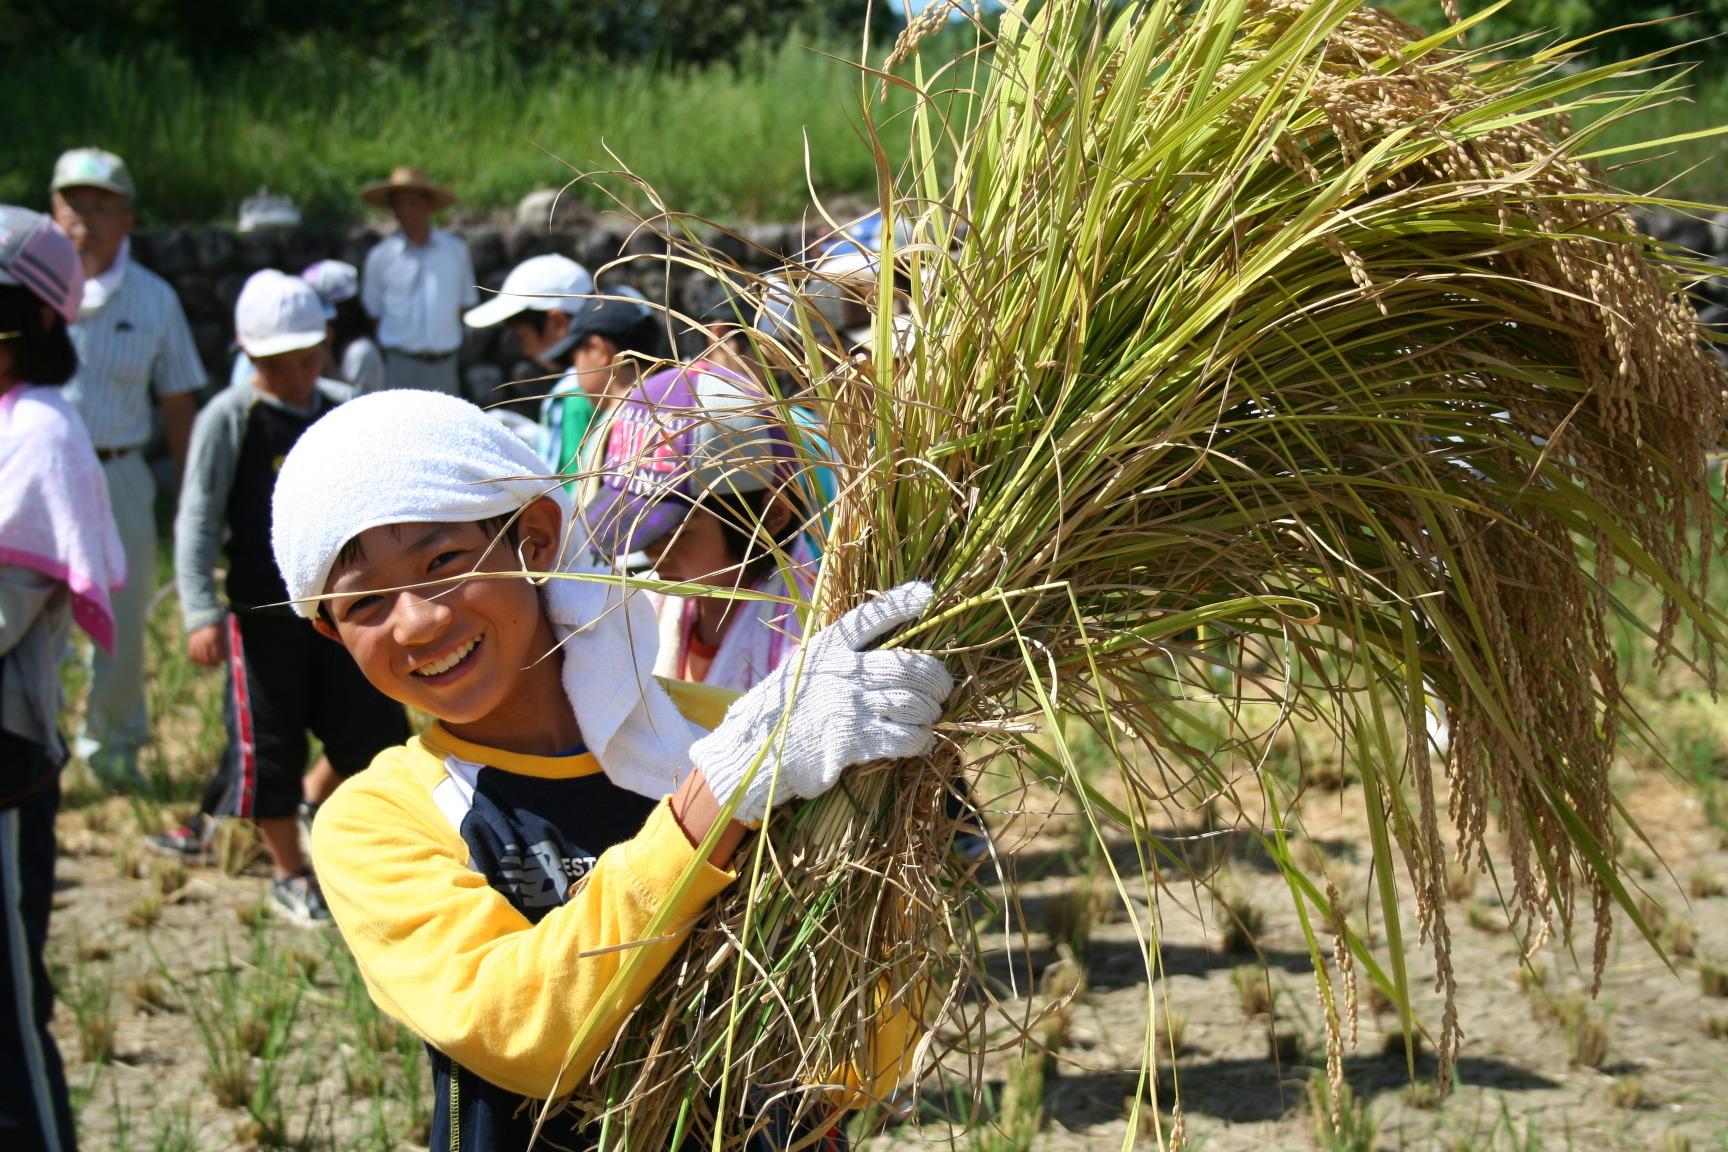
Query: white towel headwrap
(400,457)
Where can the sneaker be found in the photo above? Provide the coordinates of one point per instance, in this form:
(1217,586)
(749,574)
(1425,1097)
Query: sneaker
(299,900)
(190,841)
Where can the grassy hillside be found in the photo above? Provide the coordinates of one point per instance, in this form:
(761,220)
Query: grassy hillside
(317,122)
(719,141)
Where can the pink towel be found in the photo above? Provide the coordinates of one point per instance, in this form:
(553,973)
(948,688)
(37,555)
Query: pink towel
(54,514)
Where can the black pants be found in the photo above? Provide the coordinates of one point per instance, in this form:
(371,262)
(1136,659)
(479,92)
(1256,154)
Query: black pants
(35,1113)
(285,680)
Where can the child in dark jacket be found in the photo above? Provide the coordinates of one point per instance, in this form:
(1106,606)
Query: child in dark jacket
(283,679)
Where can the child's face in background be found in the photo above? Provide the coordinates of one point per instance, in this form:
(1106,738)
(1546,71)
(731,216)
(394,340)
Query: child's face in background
(592,363)
(537,336)
(698,550)
(291,377)
(694,552)
(459,650)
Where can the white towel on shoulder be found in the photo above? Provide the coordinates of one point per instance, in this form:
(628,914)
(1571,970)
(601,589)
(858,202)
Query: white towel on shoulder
(399,457)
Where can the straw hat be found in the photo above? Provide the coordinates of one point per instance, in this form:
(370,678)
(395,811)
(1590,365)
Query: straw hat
(405,176)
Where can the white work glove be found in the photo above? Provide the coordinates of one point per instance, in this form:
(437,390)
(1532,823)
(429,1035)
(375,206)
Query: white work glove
(843,706)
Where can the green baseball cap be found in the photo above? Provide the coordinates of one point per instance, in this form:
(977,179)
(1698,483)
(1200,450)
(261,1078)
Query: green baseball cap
(92,168)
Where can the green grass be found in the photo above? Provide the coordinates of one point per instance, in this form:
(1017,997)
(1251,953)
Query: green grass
(1686,171)
(317,126)
(318,122)
(1691,170)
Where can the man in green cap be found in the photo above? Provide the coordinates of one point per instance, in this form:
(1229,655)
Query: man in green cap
(133,342)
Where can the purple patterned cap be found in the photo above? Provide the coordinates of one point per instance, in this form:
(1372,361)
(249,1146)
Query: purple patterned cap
(682,434)
(35,253)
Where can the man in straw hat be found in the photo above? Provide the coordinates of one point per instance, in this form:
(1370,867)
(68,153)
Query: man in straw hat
(416,284)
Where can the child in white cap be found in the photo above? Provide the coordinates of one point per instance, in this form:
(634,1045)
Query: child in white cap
(350,355)
(493,875)
(283,679)
(551,306)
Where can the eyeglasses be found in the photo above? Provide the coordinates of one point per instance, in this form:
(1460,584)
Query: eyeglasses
(92,206)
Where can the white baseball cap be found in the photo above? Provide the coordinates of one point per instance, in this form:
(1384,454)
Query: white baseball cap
(538,284)
(92,168)
(277,313)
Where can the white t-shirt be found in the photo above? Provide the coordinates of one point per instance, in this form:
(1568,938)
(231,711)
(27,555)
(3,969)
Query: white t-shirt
(132,339)
(363,366)
(417,294)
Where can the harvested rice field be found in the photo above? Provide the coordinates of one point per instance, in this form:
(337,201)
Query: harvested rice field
(192,1020)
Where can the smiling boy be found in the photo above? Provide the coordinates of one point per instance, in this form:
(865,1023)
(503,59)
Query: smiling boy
(493,874)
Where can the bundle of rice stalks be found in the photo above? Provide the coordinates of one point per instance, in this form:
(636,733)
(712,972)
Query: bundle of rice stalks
(1276,323)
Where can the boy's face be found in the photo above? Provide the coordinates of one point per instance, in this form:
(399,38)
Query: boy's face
(592,363)
(694,552)
(534,337)
(96,219)
(412,209)
(457,650)
(291,377)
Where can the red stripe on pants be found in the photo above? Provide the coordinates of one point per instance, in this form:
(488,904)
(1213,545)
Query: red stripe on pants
(248,782)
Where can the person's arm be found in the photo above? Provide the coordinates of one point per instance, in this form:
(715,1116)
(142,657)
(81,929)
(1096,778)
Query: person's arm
(446,954)
(363,367)
(466,280)
(372,286)
(177,375)
(198,529)
(695,809)
(178,413)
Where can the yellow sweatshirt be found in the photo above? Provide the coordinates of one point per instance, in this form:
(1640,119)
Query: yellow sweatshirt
(485,894)
(447,866)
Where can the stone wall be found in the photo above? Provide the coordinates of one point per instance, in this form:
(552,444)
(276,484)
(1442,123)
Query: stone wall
(207,266)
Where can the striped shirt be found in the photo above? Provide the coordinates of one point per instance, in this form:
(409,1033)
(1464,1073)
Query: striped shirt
(417,293)
(138,340)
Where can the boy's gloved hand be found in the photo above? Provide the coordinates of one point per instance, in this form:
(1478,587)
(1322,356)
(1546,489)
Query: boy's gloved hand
(844,705)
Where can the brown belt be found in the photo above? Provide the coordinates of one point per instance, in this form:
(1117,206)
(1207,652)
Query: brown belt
(423,357)
(105,455)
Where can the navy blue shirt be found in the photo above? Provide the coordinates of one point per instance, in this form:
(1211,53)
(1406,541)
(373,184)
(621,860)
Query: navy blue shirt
(533,839)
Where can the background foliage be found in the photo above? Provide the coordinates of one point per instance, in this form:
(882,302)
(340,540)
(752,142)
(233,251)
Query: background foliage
(666,32)
(733,110)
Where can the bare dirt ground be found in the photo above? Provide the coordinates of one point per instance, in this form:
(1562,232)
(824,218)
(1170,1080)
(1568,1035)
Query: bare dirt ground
(1645,1065)
(192,1020)
(229,1030)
